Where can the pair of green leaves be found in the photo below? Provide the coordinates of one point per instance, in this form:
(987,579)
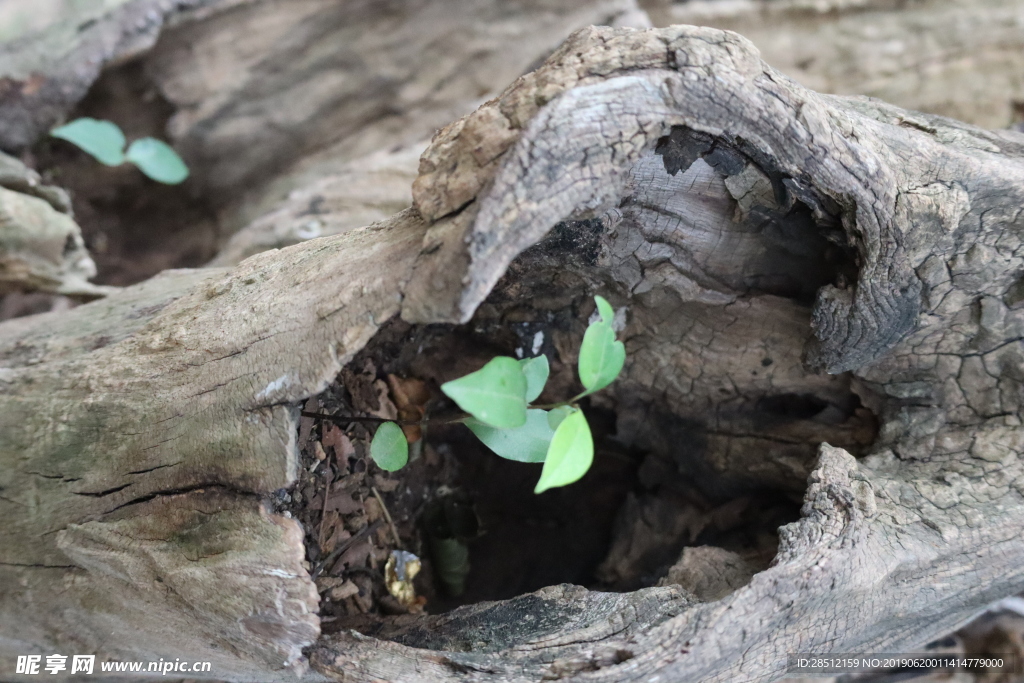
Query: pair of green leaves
(105,142)
(519,433)
(498,395)
(560,438)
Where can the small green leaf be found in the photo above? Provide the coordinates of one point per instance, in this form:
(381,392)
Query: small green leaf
(556,415)
(101,139)
(536,371)
(605,309)
(528,443)
(389,449)
(157,160)
(601,357)
(495,394)
(570,454)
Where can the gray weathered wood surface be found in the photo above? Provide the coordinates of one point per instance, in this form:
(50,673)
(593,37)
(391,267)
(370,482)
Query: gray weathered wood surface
(41,246)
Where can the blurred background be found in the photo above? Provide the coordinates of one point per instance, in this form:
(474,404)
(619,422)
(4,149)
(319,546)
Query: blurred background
(957,58)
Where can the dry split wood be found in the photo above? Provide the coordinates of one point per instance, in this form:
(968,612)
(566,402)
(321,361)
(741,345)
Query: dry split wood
(139,433)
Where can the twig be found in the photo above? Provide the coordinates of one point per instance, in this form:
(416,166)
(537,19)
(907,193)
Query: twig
(387,516)
(336,553)
(346,419)
(323,513)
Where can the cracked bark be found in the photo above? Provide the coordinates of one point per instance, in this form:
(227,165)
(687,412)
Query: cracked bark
(737,217)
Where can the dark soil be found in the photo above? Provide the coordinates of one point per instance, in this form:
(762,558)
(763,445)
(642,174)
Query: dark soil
(517,541)
(621,527)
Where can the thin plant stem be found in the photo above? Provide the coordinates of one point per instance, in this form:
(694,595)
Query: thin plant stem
(342,547)
(345,419)
(551,406)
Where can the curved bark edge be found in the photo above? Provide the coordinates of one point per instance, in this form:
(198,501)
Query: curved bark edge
(557,143)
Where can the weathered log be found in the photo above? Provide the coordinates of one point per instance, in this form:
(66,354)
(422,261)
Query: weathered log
(901,197)
(149,513)
(736,217)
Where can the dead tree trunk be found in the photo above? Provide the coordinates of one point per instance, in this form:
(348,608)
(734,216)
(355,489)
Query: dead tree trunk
(765,241)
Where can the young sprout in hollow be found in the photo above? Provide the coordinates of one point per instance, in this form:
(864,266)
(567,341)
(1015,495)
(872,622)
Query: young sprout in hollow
(498,397)
(105,142)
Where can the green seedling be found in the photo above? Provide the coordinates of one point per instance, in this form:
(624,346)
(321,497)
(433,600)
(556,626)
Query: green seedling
(105,142)
(497,398)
